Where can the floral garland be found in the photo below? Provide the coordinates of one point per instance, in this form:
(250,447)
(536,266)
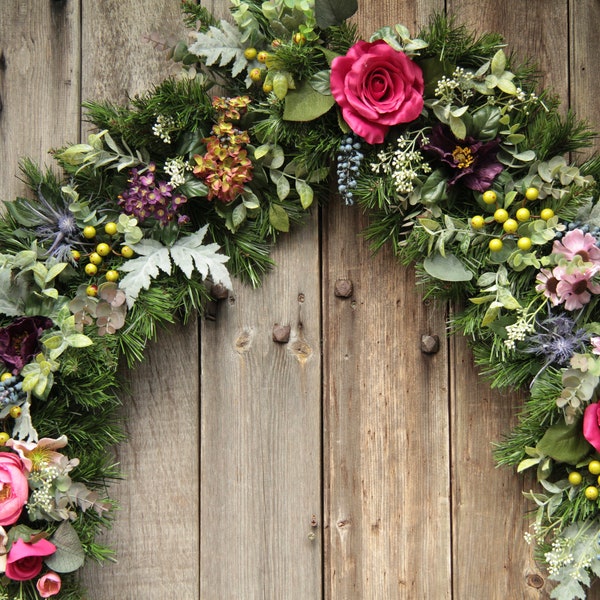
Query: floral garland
(448,144)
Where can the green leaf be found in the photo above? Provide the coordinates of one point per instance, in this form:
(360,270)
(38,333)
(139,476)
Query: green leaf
(238,215)
(278,218)
(283,188)
(564,443)
(305,192)
(446,268)
(485,122)
(306,104)
(433,70)
(334,12)
(458,127)
(280,85)
(69,555)
(321,82)
(193,188)
(78,340)
(498,63)
(434,188)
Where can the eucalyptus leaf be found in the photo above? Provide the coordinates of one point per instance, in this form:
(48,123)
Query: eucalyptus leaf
(447,268)
(69,555)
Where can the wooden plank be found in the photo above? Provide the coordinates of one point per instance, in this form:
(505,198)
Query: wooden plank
(156,532)
(39,83)
(386,409)
(260,435)
(489,512)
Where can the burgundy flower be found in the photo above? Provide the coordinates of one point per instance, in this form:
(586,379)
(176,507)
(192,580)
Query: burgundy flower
(472,163)
(19,341)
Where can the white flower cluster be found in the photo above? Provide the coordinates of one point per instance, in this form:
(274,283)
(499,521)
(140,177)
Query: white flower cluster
(42,498)
(404,164)
(461,80)
(176,168)
(518,331)
(163,127)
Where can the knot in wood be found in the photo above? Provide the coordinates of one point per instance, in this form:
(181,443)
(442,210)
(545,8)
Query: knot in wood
(219,292)
(343,288)
(430,344)
(281,333)
(535,580)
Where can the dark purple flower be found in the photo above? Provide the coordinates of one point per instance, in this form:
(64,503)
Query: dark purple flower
(473,163)
(19,341)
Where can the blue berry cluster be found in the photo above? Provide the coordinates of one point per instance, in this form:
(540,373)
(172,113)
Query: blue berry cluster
(11,392)
(349,158)
(584,227)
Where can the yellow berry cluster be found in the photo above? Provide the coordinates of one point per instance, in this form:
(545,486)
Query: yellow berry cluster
(97,257)
(591,492)
(510,224)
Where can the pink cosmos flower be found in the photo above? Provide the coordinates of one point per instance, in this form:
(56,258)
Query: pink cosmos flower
(376,87)
(576,243)
(595,341)
(48,585)
(548,282)
(574,288)
(14,489)
(25,560)
(41,454)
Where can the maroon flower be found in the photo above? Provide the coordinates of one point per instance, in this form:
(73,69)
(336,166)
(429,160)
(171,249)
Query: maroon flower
(19,341)
(472,163)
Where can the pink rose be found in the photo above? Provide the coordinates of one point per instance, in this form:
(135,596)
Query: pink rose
(48,585)
(591,425)
(14,489)
(25,560)
(376,87)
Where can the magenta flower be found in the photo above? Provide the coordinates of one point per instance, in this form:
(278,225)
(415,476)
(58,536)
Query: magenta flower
(19,341)
(471,163)
(48,585)
(25,559)
(548,282)
(576,289)
(591,425)
(576,243)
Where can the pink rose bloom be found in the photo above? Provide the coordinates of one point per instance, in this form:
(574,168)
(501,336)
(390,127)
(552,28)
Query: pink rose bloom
(591,425)
(48,585)
(14,489)
(376,87)
(25,560)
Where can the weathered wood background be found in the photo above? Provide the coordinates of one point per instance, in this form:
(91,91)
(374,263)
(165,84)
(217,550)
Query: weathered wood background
(346,464)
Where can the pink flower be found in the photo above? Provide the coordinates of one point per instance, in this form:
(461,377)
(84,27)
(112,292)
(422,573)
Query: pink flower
(376,87)
(41,454)
(548,282)
(14,489)
(591,425)
(48,585)
(574,288)
(25,560)
(595,341)
(576,243)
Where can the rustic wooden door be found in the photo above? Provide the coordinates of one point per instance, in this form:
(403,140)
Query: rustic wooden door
(345,464)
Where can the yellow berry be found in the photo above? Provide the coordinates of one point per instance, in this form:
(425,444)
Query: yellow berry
(4,437)
(103,249)
(477,222)
(591,492)
(126,252)
(489,197)
(524,243)
(15,412)
(495,245)
(501,215)
(267,88)
(250,53)
(110,228)
(95,259)
(76,255)
(594,467)
(91,269)
(262,56)
(89,232)
(5,376)
(575,478)
(546,214)
(523,214)
(532,193)
(299,38)
(256,74)
(510,225)
(91,290)
(112,275)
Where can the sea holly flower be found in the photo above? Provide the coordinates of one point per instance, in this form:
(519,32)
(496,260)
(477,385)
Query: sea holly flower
(19,341)
(472,163)
(577,243)
(376,87)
